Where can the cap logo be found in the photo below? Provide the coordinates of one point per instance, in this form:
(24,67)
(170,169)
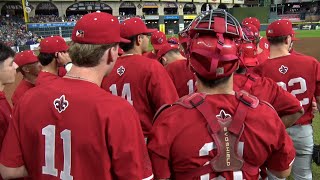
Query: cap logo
(160,40)
(270,31)
(80,33)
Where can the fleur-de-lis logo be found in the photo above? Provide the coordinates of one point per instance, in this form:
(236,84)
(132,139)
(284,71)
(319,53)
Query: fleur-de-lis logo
(283,69)
(223,115)
(121,70)
(61,104)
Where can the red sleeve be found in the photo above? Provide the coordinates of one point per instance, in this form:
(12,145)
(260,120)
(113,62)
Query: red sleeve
(283,151)
(11,154)
(159,145)
(317,91)
(127,146)
(160,87)
(3,127)
(283,102)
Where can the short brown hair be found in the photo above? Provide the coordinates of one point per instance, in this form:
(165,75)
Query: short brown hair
(277,40)
(88,55)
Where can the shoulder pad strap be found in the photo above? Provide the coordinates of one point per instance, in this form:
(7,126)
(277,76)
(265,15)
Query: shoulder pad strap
(162,108)
(268,104)
(247,99)
(191,101)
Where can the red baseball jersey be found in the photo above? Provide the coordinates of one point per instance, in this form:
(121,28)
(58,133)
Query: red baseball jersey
(62,71)
(263,141)
(60,131)
(267,90)
(144,83)
(297,74)
(20,90)
(45,77)
(5,117)
(263,56)
(150,55)
(182,77)
(264,44)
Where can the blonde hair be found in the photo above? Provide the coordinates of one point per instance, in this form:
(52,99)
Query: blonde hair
(88,55)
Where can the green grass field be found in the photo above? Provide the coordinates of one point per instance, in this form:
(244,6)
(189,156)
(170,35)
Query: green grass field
(302,33)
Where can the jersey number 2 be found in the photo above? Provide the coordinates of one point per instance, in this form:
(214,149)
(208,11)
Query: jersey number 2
(303,88)
(49,167)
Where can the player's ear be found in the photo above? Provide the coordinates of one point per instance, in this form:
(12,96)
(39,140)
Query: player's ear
(25,69)
(139,39)
(112,54)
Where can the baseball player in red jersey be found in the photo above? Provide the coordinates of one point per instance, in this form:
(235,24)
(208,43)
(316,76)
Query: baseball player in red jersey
(144,83)
(158,38)
(299,75)
(286,105)
(29,67)
(218,133)
(7,76)
(71,133)
(53,53)
(263,46)
(176,66)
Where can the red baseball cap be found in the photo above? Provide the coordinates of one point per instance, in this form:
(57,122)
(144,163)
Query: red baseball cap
(25,57)
(133,26)
(173,40)
(280,28)
(165,48)
(97,28)
(252,20)
(158,39)
(53,44)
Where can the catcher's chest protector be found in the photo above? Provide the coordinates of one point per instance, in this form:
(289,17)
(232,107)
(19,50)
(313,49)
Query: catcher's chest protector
(225,131)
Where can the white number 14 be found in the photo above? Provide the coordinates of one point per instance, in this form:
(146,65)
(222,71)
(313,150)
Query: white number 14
(50,133)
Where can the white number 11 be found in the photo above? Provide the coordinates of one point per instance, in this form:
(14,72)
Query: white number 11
(49,132)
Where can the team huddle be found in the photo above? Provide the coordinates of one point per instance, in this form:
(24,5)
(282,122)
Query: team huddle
(220,102)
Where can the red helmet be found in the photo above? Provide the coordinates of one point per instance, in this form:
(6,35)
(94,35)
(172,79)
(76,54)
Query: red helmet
(252,20)
(217,21)
(211,62)
(251,32)
(248,55)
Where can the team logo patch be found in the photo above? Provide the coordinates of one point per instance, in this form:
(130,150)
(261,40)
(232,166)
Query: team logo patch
(121,70)
(270,31)
(61,104)
(283,69)
(80,33)
(223,115)
(220,71)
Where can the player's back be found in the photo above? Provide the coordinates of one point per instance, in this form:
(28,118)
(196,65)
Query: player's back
(182,77)
(267,90)
(297,74)
(261,141)
(72,128)
(144,83)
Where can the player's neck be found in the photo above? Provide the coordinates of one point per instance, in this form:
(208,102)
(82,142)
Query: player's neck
(132,51)
(51,68)
(225,88)
(278,51)
(92,75)
(30,78)
(1,86)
